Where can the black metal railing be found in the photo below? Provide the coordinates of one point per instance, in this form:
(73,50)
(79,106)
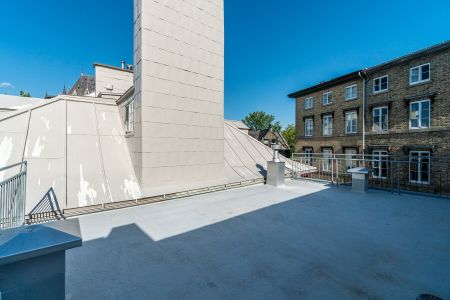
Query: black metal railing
(418,173)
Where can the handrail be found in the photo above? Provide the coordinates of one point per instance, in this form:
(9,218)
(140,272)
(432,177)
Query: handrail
(24,163)
(13,197)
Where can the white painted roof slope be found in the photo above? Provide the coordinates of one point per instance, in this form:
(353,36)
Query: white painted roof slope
(77,146)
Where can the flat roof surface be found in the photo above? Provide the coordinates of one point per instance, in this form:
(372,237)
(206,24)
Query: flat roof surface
(302,241)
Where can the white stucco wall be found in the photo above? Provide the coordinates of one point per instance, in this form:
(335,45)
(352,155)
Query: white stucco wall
(179,82)
(120,80)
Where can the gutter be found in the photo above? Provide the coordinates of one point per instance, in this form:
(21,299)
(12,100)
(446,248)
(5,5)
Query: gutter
(362,74)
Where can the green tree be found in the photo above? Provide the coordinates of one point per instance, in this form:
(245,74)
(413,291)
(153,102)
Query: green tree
(260,120)
(276,126)
(289,135)
(24,94)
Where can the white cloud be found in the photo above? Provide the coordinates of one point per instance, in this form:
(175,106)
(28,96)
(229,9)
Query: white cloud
(6,85)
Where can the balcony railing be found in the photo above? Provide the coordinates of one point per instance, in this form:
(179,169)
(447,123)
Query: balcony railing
(13,196)
(419,173)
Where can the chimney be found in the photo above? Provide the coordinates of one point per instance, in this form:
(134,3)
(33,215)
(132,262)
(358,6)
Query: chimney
(124,64)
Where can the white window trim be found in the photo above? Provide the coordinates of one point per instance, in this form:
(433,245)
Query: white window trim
(350,87)
(329,102)
(129,117)
(330,125)
(327,160)
(380,91)
(419,165)
(420,114)
(356,120)
(380,154)
(349,160)
(307,101)
(309,155)
(373,119)
(312,126)
(420,74)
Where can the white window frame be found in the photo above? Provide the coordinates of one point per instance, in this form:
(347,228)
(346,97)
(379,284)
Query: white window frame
(308,155)
(307,133)
(356,121)
(420,74)
(129,117)
(351,87)
(420,114)
(327,162)
(327,130)
(380,119)
(309,103)
(380,90)
(420,156)
(378,158)
(350,156)
(329,97)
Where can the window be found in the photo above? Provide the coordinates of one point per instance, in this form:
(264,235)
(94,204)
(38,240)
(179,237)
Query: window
(419,167)
(327,125)
(129,117)
(380,164)
(327,162)
(309,102)
(419,74)
(351,92)
(351,122)
(309,125)
(350,158)
(380,84)
(380,119)
(308,156)
(327,98)
(419,114)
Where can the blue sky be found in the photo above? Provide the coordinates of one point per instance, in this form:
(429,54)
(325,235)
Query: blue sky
(272,47)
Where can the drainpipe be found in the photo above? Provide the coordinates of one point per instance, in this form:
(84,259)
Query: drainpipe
(363,77)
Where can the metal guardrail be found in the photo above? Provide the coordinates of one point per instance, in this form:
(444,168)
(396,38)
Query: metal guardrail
(13,197)
(416,173)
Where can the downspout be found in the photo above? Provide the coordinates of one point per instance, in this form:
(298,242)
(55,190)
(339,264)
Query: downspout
(363,77)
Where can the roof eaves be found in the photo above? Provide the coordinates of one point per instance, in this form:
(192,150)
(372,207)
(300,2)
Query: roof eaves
(406,58)
(326,84)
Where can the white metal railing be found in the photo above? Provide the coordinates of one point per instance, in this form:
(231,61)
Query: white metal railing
(13,196)
(419,172)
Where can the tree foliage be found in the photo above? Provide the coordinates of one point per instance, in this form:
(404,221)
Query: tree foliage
(289,135)
(260,120)
(25,94)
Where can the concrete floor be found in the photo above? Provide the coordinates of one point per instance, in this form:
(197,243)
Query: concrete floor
(302,241)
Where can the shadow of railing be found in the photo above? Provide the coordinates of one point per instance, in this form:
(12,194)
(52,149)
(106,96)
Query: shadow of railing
(46,210)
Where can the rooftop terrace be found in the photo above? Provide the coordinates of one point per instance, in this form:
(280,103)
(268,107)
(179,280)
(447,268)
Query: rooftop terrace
(303,241)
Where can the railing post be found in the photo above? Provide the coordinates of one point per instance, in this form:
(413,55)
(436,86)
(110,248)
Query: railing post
(392,176)
(398,177)
(333,158)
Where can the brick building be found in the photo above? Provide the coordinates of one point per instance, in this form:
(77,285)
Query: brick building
(405,105)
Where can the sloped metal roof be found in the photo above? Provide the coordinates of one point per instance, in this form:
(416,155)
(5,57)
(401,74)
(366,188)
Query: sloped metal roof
(77,147)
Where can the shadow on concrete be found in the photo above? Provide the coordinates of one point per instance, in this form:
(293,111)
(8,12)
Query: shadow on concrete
(319,246)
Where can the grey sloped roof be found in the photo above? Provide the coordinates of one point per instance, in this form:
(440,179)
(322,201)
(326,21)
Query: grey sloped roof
(85,85)
(269,134)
